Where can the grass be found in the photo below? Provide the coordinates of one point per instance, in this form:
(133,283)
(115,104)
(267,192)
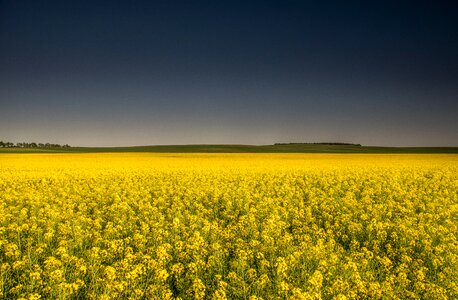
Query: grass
(284,148)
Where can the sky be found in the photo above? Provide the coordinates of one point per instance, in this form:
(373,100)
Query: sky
(120,73)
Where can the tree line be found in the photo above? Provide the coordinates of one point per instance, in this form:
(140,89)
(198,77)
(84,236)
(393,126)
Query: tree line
(31,145)
(337,144)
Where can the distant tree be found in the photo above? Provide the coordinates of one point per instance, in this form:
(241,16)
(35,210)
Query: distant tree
(324,143)
(31,145)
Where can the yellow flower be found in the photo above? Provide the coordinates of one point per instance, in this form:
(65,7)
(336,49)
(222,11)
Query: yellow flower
(228,226)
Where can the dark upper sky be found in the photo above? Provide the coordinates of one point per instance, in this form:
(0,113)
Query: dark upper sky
(254,72)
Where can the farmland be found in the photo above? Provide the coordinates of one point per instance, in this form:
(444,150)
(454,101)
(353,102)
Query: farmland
(228,226)
(227,148)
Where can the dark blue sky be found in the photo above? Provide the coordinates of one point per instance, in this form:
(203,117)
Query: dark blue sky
(107,73)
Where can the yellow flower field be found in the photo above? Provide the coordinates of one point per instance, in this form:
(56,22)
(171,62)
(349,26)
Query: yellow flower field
(228,226)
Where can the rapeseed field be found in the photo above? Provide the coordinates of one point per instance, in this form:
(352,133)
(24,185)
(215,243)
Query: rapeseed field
(228,226)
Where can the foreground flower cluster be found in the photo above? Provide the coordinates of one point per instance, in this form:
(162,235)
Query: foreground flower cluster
(233,226)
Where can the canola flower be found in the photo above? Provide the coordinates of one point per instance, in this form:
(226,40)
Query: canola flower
(228,226)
